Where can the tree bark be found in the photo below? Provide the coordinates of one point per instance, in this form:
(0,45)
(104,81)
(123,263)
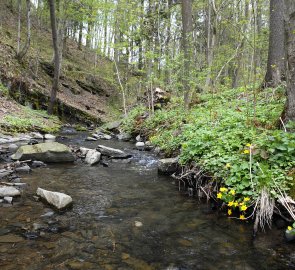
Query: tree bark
(187,27)
(57,62)
(20,55)
(290,54)
(19,3)
(80,36)
(276,52)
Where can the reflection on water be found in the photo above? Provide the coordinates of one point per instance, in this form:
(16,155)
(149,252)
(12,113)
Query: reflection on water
(125,216)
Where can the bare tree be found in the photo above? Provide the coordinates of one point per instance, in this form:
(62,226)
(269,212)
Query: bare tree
(57,60)
(187,28)
(276,52)
(21,53)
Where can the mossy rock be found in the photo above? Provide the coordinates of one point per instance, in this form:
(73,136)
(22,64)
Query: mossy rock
(50,152)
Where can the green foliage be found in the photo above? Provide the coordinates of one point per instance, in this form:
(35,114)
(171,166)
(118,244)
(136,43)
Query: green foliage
(3,90)
(231,135)
(30,120)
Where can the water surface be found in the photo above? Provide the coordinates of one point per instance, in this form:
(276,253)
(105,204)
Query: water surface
(126,216)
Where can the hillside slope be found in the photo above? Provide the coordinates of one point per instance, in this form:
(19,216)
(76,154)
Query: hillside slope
(86,90)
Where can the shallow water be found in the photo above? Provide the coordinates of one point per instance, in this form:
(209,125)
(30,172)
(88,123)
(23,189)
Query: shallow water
(125,216)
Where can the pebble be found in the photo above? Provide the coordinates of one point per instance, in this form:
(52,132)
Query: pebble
(91,139)
(138,224)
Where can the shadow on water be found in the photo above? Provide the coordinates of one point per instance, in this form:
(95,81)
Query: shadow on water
(126,216)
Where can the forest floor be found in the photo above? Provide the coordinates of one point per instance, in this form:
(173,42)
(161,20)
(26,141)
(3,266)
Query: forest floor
(88,85)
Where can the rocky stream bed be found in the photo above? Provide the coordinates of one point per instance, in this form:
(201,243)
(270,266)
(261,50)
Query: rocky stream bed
(124,215)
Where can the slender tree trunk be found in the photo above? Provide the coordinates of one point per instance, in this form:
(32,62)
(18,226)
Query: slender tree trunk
(57,63)
(290,50)
(276,52)
(80,36)
(187,27)
(26,46)
(19,26)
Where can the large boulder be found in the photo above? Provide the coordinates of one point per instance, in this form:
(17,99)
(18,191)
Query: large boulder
(50,152)
(92,157)
(108,151)
(8,191)
(57,199)
(113,126)
(168,165)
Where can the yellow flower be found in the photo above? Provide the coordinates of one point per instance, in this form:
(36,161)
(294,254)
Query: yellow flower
(242,217)
(248,145)
(236,204)
(244,208)
(241,203)
(229,212)
(290,228)
(232,192)
(246,199)
(230,204)
(227,165)
(219,195)
(223,189)
(246,151)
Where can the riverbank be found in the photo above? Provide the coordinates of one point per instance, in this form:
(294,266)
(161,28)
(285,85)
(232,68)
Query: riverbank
(232,140)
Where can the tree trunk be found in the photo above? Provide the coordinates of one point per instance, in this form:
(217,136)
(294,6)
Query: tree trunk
(20,55)
(19,26)
(276,52)
(80,36)
(57,62)
(187,27)
(290,49)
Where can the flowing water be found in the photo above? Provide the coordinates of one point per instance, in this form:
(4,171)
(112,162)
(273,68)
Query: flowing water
(126,216)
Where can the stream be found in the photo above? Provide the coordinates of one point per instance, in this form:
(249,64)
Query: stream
(126,216)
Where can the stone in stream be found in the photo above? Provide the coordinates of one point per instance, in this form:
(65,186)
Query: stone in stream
(91,139)
(124,137)
(4,173)
(113,126)
(24,169)
(38,163)
(8,199)
(107,137)
(168,165)
(50,152)
(108,151)
(12,147)
(138,138)
(84,151)
(49,137)
(36,135)
(57,199)
(92,157)
(140,146)
(8,191)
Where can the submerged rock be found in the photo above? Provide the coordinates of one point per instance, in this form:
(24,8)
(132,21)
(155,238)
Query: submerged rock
(108,151)
(38,163)
(92,157)
(57,199)
(46,152)
(8,191)
(168,165)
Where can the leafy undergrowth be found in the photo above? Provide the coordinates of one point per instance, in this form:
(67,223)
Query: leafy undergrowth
(16,118)
(233,136)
